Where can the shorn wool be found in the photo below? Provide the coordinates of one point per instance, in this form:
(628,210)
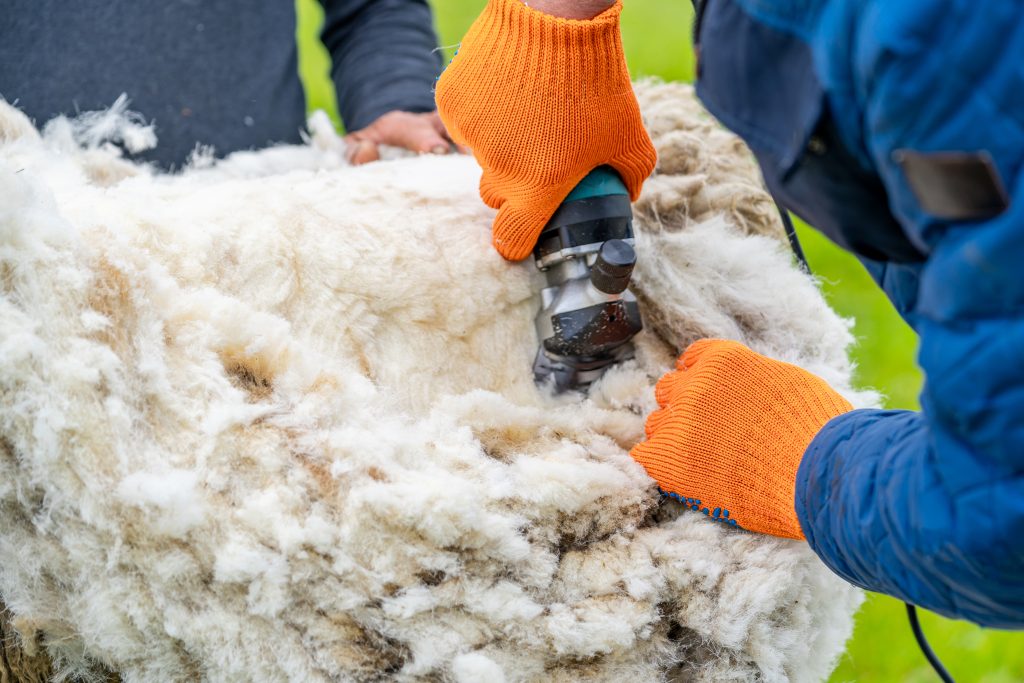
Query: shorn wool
(273,419)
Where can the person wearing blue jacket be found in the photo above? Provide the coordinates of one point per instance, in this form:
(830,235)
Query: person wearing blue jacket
(897,129)
(224,75)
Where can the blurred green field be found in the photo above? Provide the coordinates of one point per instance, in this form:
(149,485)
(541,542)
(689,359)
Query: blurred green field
(656,34)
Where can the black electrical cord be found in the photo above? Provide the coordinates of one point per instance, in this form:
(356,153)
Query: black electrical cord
(922,642)
(794,242)
(915,624)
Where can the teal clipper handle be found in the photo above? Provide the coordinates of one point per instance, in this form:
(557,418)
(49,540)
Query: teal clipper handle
(601,182)
(597,210)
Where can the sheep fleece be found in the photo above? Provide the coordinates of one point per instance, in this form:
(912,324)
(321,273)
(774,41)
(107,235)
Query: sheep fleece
(273,419)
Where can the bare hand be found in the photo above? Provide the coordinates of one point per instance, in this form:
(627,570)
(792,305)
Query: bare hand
(570,9)
(415,132)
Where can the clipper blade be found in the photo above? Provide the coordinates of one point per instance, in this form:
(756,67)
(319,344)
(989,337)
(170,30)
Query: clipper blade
(575,373)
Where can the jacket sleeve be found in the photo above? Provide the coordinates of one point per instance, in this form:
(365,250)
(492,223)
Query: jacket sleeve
(384,57)
(929,506)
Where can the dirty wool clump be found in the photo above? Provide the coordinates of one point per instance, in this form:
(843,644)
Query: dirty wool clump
(273,419)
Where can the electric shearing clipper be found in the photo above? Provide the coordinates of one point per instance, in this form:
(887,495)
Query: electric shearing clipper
(588,315)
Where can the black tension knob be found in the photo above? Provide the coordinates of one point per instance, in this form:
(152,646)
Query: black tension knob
(613,267)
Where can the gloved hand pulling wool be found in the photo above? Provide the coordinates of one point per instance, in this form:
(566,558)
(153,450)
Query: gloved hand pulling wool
(731,431)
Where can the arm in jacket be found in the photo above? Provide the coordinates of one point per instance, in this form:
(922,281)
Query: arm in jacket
(929,506)
(384,57)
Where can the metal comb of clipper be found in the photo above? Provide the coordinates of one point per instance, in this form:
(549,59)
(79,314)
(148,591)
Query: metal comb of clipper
(588,316)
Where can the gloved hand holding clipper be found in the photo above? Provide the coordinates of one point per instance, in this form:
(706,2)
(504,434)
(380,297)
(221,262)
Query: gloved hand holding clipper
(542,101)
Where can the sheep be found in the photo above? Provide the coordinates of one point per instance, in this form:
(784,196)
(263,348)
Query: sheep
(273,418)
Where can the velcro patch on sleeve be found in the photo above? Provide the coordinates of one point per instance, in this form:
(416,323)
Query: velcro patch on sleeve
(956,186)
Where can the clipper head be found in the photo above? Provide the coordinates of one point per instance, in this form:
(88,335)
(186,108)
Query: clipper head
(588,316)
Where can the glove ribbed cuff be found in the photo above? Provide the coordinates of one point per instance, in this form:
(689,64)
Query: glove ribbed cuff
(555,58)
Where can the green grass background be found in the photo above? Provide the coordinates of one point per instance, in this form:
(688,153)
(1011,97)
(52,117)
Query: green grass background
(656,34)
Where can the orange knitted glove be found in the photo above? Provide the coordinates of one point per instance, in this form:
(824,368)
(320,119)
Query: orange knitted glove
(542,101)
(730,434)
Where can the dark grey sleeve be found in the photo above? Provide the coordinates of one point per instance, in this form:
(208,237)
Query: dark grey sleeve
(384,57)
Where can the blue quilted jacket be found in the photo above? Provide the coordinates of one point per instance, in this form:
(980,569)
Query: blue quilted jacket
(897,128)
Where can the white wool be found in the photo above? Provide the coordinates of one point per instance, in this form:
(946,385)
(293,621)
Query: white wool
(104,128)
(172,494)
(474,667)
(274,419)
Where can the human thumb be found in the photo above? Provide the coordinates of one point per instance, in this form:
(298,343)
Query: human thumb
(516,230)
